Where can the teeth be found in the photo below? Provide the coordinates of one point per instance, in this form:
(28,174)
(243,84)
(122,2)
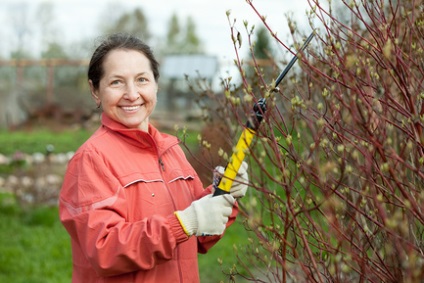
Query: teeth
(130,108)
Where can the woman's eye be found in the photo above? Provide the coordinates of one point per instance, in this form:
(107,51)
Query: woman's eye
(141,80)
(116,82)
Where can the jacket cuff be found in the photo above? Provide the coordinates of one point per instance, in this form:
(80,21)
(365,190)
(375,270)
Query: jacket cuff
(176,229)
(207,190)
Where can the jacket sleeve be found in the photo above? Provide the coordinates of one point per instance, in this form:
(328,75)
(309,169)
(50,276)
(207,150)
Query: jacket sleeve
(92,208)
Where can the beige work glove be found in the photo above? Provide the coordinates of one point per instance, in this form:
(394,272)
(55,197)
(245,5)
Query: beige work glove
(239,186)
(206,216)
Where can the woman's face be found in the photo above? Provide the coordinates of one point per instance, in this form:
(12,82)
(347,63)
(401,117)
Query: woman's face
(127,91)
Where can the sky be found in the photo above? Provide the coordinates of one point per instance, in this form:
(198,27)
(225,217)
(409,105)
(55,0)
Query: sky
(80,19)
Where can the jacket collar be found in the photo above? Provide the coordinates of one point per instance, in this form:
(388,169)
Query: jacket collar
(151,139)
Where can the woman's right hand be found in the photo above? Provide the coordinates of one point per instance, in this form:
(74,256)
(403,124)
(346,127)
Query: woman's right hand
(206,216)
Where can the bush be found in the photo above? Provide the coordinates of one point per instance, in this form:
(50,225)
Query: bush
(337,165)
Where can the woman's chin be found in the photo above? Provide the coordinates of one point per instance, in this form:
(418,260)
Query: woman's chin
(135,124)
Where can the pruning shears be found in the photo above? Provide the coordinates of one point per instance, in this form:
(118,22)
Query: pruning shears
(223,186)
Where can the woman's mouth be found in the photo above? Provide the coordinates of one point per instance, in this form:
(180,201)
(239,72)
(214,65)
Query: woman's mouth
(130,108)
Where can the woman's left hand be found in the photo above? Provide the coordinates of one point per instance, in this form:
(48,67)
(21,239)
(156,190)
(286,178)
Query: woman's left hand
(240,183)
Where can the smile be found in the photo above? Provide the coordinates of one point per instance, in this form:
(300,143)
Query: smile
(130,108)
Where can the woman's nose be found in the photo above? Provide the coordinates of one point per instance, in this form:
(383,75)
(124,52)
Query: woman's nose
(131,92)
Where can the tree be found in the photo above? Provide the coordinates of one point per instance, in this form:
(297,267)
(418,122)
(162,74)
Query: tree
(173,35)
(20,19)
(262,48)
(54,51)
(134,23)
(181,40)
(47,27)
(260,54)
(193,43)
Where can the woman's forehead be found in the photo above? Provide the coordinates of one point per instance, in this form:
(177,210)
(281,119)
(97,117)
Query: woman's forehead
(126,59)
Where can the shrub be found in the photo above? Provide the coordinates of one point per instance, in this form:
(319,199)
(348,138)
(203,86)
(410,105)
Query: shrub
(337,166)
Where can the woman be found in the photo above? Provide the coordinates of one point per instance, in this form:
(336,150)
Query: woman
(134,207)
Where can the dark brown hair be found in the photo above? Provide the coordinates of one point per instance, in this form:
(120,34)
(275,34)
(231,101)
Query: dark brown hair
(118,41)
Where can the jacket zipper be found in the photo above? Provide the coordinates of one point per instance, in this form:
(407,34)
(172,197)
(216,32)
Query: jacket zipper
(162,166)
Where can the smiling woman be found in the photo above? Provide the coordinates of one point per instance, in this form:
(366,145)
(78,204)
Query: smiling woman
(134,207)
(123,76)
(128,94)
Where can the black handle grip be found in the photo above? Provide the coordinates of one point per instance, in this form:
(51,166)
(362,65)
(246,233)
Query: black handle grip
(219,191)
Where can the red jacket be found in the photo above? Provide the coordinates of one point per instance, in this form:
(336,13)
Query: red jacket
(117,203)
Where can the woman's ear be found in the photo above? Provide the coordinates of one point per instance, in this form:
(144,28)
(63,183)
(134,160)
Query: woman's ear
(94,92)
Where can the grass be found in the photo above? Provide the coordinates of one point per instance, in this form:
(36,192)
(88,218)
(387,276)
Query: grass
(214,265)
(64,141)
(34,246)
(36,141)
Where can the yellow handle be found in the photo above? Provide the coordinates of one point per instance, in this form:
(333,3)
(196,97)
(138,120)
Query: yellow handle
(242,146)
(236,159)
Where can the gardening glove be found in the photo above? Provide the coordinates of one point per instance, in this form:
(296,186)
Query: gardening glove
(239,186)
(206,216)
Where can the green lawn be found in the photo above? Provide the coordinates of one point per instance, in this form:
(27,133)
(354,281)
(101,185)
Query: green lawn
(221,257)
(36,141)
(34,247)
